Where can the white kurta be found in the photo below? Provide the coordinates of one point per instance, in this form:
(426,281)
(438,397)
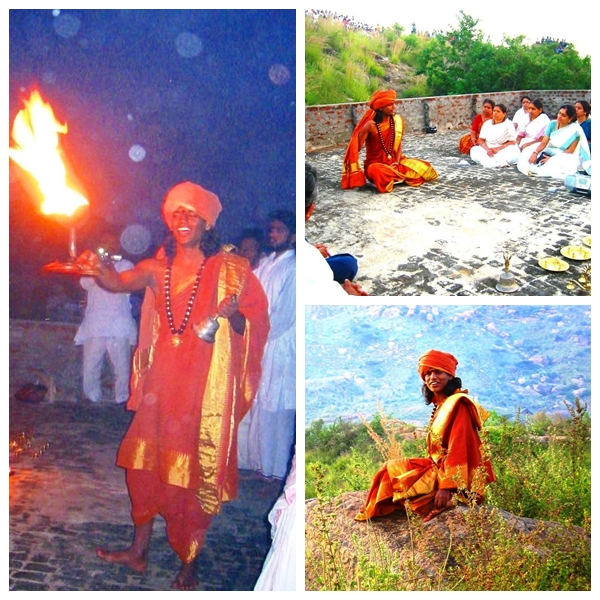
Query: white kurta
(266,434)
(279,569)
(521,119)
(108,328)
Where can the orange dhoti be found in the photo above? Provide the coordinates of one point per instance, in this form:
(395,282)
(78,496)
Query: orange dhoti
(384,168)
(189,396)
(454,450)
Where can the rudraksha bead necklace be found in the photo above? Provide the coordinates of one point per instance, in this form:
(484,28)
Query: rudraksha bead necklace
(176,333)
(392,136)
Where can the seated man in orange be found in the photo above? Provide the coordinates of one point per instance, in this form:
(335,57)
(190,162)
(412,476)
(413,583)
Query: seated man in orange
(381,131)
(430,485)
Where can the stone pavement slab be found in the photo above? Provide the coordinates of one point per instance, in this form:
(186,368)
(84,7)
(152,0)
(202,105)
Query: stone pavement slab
(71,498)
(447,237)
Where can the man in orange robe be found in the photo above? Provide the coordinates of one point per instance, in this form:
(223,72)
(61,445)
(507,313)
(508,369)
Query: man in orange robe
(430,485)
(189,394)
(381,131)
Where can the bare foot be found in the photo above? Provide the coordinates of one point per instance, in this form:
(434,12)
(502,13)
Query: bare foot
(186,578)
(124,557)
(436,511)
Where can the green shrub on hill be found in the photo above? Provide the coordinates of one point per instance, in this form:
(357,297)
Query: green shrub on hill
(343,65)
(548,479)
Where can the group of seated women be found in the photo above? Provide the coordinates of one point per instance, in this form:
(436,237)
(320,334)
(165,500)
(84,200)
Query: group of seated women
(531,141)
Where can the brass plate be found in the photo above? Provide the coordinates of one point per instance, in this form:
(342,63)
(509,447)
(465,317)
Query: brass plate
(67,268)
(553,263)
(576,252)
(587,241)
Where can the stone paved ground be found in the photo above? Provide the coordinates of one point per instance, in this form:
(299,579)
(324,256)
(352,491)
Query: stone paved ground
(72,499)
(447,237)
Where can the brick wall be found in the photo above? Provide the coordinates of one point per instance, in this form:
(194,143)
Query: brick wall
(43,352)
(332,124)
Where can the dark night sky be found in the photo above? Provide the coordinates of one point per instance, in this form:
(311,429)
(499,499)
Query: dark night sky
(207,95)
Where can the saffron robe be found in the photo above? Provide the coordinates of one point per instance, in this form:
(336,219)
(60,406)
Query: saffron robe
(190,398)
(382,169)
(454,450)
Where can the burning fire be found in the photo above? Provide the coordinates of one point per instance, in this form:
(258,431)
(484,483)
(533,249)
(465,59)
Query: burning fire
(36,150)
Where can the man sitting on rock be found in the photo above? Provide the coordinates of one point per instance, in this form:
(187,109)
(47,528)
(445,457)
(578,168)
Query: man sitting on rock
(428,486)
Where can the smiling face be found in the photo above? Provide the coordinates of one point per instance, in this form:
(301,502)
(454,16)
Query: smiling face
(436,380)
(187,227)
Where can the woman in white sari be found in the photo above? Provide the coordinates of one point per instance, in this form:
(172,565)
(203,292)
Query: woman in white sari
(562,150)
(497,143)
(534,131)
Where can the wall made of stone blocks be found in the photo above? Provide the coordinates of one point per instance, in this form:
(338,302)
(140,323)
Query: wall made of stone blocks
(43,352)
(331,125)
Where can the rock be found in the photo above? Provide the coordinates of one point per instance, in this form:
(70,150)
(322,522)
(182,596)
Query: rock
(335,542)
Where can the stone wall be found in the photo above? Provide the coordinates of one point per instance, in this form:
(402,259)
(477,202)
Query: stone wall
(332,124)
(43,352)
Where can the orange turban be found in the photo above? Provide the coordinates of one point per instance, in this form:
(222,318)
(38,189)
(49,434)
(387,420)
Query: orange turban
(382,98)
(435,359)
(193,197)
(352,174)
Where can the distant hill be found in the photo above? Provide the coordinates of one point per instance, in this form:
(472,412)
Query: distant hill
(527,356)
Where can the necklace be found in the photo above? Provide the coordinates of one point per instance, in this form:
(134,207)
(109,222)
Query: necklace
(176,333)
(433,414)
(392,136)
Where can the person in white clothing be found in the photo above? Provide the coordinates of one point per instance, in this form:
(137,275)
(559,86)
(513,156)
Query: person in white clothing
(319,282)
(497,143)
(266,435)
(534,131)
(108,328)
(521,117)
(279,569)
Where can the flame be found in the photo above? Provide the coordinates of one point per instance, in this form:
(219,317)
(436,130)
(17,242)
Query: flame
(35,134)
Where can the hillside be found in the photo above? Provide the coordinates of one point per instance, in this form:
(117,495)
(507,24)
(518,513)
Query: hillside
(347,62)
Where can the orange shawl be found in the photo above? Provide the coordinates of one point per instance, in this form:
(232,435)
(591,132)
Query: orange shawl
(190,399)
(453,446)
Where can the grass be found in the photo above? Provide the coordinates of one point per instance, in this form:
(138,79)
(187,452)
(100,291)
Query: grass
(543,466)
(341,65)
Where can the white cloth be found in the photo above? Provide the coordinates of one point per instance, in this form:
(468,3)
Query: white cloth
(521,119)
(266,434)
(319,284)
(560,164)
(106,314)
(279,569)
(118,350)
(534,131)
(108,328)
(494,135)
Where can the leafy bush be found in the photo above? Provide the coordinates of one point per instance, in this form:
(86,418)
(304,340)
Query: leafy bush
(458,61)
(546,479)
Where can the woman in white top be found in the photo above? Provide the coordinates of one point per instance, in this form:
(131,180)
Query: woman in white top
(497,143)
(562,150)
(521,117)
(533,133)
